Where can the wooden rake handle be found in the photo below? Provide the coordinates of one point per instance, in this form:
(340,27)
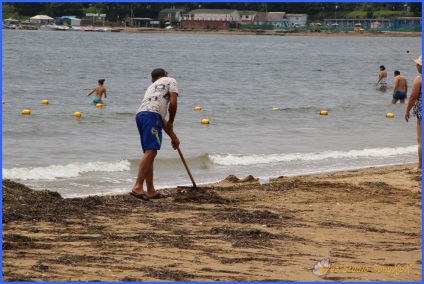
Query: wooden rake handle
(185,165)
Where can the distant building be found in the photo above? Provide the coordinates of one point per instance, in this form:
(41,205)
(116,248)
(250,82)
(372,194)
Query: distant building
(168,14)
(297,19)
(143,23)
(41,19)
(274,19)
(411,23)
(171,16)
(407,22)
(247,16)
(68,20)
(212,15)
(210,18)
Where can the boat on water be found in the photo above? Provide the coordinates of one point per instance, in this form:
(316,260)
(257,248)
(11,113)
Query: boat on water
(11,27)
(89,29)
(64,28)
(28,25)
(78,29)
(48,27)
(54,27)
(11,24)
(103,29)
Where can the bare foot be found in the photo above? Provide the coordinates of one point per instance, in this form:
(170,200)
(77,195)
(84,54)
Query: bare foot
(416,170)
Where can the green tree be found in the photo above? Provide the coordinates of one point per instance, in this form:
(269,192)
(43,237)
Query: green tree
(9,11)
(65,9)
(30,9)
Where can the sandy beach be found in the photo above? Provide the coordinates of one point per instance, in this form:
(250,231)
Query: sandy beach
(367,222)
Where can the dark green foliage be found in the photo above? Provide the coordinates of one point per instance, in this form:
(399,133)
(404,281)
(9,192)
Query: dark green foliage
(315,10)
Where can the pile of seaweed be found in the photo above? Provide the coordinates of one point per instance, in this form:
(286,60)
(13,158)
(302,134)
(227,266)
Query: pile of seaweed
(21,203)
(200,195)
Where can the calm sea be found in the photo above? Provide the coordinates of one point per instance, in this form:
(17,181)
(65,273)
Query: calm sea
(261,94)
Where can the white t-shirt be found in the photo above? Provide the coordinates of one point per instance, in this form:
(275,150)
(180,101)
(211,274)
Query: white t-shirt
(156,98)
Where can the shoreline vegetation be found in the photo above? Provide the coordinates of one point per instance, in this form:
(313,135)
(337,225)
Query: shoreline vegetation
(366,221)
(271,32)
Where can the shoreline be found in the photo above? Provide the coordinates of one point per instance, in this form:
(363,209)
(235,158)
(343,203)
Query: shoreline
(365,221)
(271,33)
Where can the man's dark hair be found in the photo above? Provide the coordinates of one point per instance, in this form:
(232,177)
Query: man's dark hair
(382,67)
(157,73)
(101,81)
(397,72)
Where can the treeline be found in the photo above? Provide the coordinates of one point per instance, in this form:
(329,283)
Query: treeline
(120,10)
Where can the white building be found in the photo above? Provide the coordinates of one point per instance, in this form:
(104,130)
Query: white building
(212,15)
(247,16)
(41,19)
(75,22)
(299,19)
(275,19)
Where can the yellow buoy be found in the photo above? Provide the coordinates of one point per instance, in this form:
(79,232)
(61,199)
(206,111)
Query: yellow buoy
(323,112)
(26,112)
(45,102)
(198,108)
(205,121)
(275,108)
(99,105)
(77,114)
(390,115)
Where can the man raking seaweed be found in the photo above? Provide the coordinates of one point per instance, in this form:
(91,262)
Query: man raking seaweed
(159,98)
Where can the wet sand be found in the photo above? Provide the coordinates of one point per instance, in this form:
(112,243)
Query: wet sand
(367,222)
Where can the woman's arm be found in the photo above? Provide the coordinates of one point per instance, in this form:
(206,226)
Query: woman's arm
(416,88)
(92,91)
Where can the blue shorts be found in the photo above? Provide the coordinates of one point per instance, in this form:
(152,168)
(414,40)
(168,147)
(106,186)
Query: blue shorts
(97,100)
(399,95)
(149,126)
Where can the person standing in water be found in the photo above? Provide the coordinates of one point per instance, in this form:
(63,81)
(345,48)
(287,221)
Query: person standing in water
(382,78)
(415,104)
(100,90)
(400,89)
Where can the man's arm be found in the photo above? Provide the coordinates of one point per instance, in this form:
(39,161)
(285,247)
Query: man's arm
(172,109)
(175,142)
(396,85)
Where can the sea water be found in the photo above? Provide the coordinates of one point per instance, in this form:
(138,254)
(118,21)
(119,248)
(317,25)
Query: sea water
(262,95)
